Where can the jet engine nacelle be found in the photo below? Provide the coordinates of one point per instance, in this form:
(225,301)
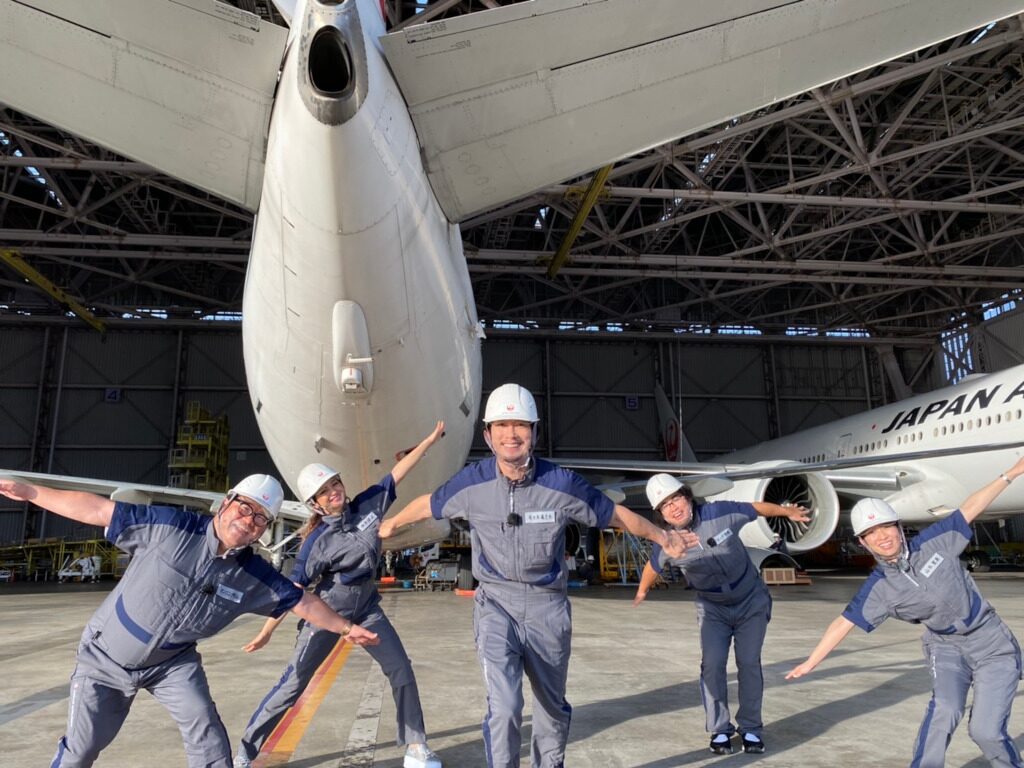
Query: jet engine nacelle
(928,494)
(808,489)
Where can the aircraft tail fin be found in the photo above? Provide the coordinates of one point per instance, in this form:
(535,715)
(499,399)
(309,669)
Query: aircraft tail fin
(673,440)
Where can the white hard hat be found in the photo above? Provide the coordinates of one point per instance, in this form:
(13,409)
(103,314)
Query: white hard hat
(264,490)
(867,513)
(312,479)
(510,402)
(660,487)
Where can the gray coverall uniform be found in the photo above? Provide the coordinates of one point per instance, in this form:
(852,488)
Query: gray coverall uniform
(176,591)
(964,641)
(521,616)
(340,556)
(733,606)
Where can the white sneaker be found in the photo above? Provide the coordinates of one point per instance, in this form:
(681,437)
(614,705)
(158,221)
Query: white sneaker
(420,756)
(241,761)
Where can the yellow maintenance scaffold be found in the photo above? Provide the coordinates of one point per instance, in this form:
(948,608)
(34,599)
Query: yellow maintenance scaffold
(622,556)
(46,559)
(200,457)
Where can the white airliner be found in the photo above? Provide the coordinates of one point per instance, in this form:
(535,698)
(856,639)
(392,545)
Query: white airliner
(360,152)
(924,455)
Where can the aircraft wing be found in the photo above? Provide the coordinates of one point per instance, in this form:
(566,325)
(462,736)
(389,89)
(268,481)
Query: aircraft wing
(140,493)
(919,490)
(508,100)
(292,512)
(132,493)
(839,470)
(185,86)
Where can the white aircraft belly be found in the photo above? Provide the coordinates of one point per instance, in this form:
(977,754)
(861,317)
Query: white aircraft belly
(384,246)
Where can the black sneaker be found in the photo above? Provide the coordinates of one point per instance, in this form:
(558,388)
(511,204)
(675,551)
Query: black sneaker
(752,744)
(721,744)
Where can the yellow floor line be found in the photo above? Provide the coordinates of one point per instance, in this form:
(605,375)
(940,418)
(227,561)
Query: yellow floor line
(289,732)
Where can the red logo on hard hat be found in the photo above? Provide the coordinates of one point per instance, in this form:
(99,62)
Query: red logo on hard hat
(510,407)
(871,515)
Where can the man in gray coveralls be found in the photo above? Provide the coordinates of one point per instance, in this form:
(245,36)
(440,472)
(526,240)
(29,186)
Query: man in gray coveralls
(965,641)
(190,576)
(518,509)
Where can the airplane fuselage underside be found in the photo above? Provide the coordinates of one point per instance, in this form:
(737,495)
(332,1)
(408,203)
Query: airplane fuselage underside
(356,279)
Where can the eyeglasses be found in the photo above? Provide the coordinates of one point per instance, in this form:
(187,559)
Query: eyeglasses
(245,509)
(673,500)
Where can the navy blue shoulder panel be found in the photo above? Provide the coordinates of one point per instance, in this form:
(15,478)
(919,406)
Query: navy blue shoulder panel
(716,509)
(386,485)
(954,523)
(130,515)
(855,610)
(287,594)
(550,475)
(480,472)
(299,574)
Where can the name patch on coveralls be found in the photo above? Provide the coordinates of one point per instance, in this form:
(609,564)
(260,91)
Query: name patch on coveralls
(229,594)
(366,522)
(540,516)
(720,538)
(933,562)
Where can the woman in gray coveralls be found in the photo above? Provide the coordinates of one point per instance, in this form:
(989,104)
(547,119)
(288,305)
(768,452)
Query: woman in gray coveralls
(733,604)
(339,557)
(965,641)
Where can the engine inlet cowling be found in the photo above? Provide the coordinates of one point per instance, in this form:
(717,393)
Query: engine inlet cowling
(807,489)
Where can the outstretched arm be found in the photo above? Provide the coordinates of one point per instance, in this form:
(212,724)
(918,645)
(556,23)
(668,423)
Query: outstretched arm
(979,501)
(674,544)
(416,510)
(407,462)
(794,512)
(647,579)
(317,612)
(81,506)
(263,636)
(834,635)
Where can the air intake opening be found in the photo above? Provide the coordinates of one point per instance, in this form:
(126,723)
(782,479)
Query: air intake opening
(330,66)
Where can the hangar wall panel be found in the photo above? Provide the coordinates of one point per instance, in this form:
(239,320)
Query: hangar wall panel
(17,416)
(139,419)
(214,375)
(725,401)
(602,397)
(814,385)
(1002,341)
(730,395)
(21,355)
(518,361)
(12,524)
(109,405)
(141,358)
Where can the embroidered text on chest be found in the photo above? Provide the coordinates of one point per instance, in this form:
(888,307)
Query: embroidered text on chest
(720,538)
(367,522)
(540,516)
(229,594)
(933,562)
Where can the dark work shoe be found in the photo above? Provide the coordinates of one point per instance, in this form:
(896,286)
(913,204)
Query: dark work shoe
(752,744)
(721,744)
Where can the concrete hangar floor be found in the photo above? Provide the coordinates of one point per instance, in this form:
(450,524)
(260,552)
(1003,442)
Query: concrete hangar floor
(632,684)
